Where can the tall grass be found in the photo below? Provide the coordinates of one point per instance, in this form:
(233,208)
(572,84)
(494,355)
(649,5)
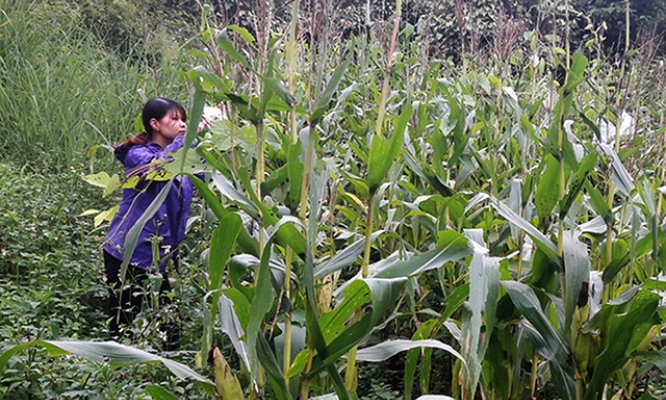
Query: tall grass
(61,91)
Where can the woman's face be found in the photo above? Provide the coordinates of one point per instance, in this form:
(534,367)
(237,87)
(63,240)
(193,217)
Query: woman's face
(168,128)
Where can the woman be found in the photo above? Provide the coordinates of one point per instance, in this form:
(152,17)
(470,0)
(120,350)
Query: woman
(164,121)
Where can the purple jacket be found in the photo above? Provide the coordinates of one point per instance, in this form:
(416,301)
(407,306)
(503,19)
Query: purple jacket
(168,223)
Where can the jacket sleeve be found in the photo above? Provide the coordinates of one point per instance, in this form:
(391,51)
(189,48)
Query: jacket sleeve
(141,155)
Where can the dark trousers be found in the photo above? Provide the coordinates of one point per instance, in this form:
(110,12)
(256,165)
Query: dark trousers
(125,300)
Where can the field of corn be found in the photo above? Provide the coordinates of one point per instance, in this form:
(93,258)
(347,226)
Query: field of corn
(377,223)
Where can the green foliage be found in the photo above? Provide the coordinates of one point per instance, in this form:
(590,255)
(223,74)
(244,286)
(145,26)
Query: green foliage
(61,90)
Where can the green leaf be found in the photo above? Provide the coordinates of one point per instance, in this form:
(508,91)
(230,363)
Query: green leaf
(621,176)
(528,305)
(227,45)
(627,325)
(548,188)
(452,246)
(295,173)
(576,74)
(209,82)
(383,152)
(106,215)
(276,178)
(111,353)
(483,292)
(261,304)
(159,393)
(272,368)
(100,179)
(244,33)
(382,294)
(322,103)
(222,243)
(344,258)
(599,203)
(278,87)
(545,244)
(389,348)
(132,237)
(196,112)
(426,173)
(587,164)
(576,271)
(234,310)
(228,190)
(246,243)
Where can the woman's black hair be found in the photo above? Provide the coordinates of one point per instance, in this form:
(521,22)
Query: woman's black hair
(157,108)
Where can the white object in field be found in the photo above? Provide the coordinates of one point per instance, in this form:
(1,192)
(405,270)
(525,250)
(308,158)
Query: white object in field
(214,113)
(607,130)
(595,288)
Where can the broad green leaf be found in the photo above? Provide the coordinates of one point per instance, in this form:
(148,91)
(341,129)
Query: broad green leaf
(545,244)
(653,357)
(317,341)
(389,348)
(261,304)
(322,103)
(587,164)
(278,87)
(111,353)
(222,243)
(295,173)
(576,74)
(112,185)
(528,305)
(246,109)
(483,292)
(426,173)
(132,237)
(344,258)
(548,188)
(383,152)
(106,215)
(452,246)
(576,272)
(621,176)
(276,178)
(273,369)
(227,189)
(100,179)
(246,243)
(435,397)
(159,393)
(627,325)
(209,81)
(288,234)
(383,293)
(599,203)
(244,33)
(227,45)
(196,112)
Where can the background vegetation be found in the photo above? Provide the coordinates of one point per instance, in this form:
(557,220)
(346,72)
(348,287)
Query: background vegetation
(449,173)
